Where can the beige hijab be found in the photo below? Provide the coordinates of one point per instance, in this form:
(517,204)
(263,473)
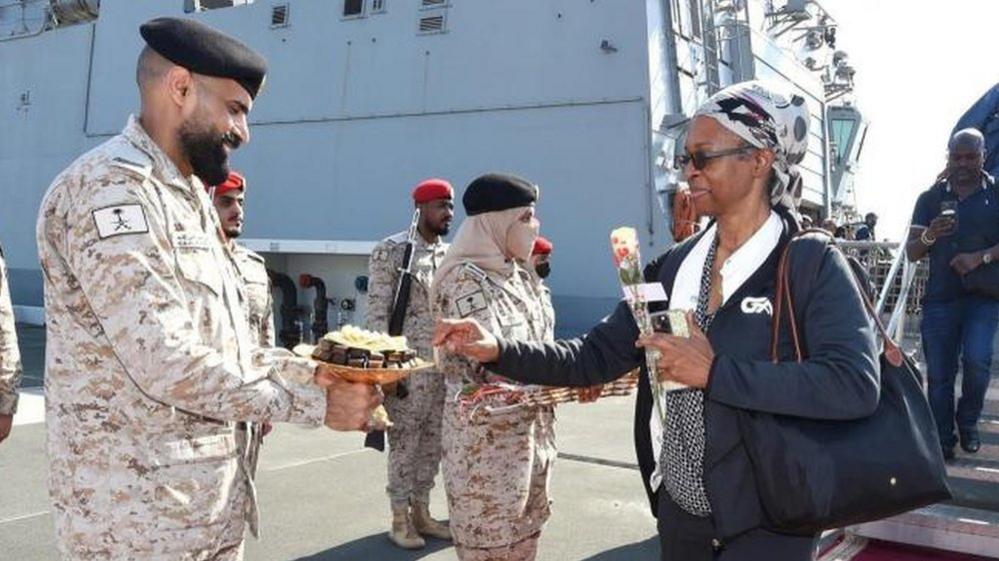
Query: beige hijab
(485,240)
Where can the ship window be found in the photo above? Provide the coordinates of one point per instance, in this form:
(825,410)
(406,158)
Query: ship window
(353,8)
(279,15)
(694,7)
(433,3)
(842,133)
(377,6)
(686,18)
(433,24)
(674,6)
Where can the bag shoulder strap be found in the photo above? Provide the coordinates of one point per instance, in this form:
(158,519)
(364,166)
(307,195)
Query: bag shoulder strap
(812,246)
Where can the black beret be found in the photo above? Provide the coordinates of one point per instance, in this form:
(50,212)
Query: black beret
(498,191)
(205,50)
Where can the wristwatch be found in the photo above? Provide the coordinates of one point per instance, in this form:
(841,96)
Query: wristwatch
(986,258)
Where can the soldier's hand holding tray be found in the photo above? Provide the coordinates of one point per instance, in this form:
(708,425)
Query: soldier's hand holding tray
(686,360)
(466,337)
(349,406)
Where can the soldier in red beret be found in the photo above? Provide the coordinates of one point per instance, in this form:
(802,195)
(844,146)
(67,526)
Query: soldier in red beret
(540,257)
(415,437)
(229,199)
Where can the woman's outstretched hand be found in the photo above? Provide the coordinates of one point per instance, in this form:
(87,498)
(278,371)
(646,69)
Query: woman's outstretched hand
(468,338)
(686,360)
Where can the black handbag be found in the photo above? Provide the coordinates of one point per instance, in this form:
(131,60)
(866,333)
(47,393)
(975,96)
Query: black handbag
(812,475)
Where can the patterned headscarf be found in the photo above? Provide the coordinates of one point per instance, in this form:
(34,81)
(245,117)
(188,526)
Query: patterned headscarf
(767,116)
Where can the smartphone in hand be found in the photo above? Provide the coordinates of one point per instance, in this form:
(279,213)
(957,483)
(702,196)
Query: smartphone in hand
(671,322)
(948,210)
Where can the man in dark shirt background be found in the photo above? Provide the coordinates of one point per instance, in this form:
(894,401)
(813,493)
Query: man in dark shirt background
(866,230)
(956,222)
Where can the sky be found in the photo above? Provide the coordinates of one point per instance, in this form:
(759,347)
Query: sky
(920,65)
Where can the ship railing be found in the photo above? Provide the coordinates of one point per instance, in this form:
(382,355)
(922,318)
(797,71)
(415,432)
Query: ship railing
(898,283)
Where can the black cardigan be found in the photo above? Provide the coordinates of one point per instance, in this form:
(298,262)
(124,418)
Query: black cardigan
(839,380)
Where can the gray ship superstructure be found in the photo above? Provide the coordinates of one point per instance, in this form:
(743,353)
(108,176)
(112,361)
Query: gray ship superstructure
(366,97)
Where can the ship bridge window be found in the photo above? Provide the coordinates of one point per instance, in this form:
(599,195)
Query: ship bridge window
(842,135)
(377,6)
(353,8)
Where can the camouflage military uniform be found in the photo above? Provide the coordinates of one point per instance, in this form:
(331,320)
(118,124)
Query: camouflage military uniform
(260,314)
(10,356)
(415,439)
(260,304)
(150,362)
(496,466)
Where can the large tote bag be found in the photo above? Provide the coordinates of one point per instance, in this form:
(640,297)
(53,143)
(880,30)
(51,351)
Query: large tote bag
(813,475)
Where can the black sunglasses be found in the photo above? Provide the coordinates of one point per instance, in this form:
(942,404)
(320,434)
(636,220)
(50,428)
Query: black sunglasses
(701,159)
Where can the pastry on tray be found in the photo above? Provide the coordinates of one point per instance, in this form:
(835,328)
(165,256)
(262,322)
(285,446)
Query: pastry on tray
(365,356)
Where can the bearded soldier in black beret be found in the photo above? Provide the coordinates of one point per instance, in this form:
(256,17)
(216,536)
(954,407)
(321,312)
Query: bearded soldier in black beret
(150,361)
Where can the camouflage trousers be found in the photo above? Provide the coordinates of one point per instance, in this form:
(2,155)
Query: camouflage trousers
(524,550)
(233,533)
(415,438)
(496,473)
(133,538)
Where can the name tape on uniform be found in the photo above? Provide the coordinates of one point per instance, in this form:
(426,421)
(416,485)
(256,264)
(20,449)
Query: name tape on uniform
(650,292)
(191,240)
(120,220)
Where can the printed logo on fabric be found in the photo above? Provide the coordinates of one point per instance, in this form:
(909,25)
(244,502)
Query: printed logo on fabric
(752,305)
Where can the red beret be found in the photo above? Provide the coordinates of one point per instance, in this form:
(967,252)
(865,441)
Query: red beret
(233,182)
(541,246)
(431,190)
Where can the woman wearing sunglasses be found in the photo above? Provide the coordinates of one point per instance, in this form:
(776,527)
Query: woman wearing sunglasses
(742,150)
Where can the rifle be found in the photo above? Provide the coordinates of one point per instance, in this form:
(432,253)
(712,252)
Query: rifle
(400,303)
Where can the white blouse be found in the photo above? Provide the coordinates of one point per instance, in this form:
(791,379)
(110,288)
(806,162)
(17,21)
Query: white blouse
(735,271)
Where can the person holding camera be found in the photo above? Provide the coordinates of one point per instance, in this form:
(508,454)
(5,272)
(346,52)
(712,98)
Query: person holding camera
(956,223)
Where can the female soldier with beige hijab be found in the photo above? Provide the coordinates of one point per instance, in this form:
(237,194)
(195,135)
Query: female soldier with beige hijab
(496,465)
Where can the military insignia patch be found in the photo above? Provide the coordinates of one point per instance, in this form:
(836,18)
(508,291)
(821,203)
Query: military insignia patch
(380,254)
(120,220)
(471,303)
